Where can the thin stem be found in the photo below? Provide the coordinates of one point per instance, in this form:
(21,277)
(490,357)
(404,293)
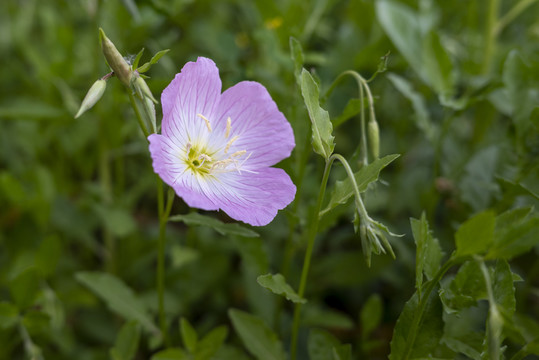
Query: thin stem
(418,316)
(512,15)
(493,346)
(313,230)
(359,201)
(490,34)
(138,114)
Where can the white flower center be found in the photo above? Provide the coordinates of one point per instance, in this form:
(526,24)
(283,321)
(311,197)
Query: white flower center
(202,159)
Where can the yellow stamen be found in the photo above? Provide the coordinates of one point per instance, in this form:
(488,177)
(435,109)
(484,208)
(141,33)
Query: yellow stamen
(230,142)
(238,153)
(208,125)
(228,127)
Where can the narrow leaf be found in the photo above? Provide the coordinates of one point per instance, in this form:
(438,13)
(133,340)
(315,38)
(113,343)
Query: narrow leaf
(296,53)
(189,335)
(476,235)
(211,343)
(344,190)
(428,253)
(259,340)
(127,342)
(119,297)
(196,219)
(171,354)
(322,140)
(277,285)
(137,58)
(153,61)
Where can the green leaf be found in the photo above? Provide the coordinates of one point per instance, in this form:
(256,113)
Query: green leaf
(153,61)
(342,352)
(259,340)
(296,53)
(36,322)
(321,345)
(126,345)
(137,59)
(476,235)
(9,315)
(428,253)
(171,354)
(503,287)
(371,315)
(211,343)
(48,255)
(422,116)
(277,285)
(322,140)
(352,108)
(189,335)
(437,65)
(316,316)
(25,288)
(515,233)
(426,344)
(343,190)
(465,289)
(119,297)
(196,219)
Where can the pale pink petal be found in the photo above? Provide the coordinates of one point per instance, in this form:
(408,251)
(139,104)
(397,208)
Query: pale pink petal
(255,198)
(262,129)
(195,90)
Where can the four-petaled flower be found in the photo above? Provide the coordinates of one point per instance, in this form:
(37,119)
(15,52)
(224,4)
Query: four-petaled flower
(216,150)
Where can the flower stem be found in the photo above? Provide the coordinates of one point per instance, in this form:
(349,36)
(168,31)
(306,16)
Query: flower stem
(490,34)
(313,229)
(140,119)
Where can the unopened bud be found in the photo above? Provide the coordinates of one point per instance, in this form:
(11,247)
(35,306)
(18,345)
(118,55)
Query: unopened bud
(374,138)
(93,95)
(142,89)
(117,63)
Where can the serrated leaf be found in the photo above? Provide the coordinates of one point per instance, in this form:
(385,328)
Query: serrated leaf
(196,219)
(476,235)
(9,315)
(429,333)
(257,338)
(137,59)
(503,287)
(322,139)
(211,343)
(428,251)
(119,297)
(296,53)
(371,315)
(343,190)
(127,341)
(189,335)
(277,285)
(171,354)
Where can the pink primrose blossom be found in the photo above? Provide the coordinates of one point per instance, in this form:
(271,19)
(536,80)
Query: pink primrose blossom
(216,149)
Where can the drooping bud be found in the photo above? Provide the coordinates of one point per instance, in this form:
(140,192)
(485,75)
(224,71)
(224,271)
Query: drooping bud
(117,63)
(374,138)
(93,95)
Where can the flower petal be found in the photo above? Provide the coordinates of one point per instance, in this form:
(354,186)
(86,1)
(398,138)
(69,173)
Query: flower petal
(172,170)
(195,90)
(254,198)
(263,130)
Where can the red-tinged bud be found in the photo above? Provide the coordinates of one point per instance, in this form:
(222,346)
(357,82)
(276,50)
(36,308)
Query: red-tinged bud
(117,63)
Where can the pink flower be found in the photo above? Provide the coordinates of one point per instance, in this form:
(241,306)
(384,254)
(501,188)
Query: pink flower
(216,150)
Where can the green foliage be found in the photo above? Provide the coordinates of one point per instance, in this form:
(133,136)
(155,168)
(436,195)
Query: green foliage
(78,207)
(276,283)
(261,342)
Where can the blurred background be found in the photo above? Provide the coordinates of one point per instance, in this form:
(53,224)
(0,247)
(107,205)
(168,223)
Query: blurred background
(459,101)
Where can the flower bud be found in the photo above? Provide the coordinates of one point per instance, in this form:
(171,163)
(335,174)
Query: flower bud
(374,138)
(142,89)
(93,95)
(117,63)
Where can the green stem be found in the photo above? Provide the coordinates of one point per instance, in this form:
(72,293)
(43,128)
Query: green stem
(493,331)
(490,34)
(512,15)
(424,296)
(313,230)
(140,119)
